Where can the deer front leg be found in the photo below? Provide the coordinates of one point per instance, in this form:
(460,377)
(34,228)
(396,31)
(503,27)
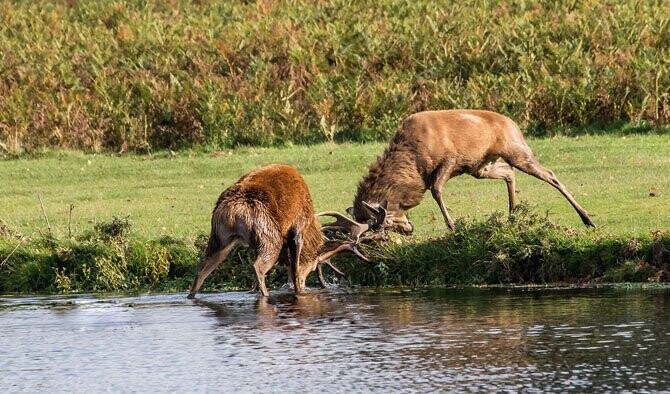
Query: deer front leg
(440,177)
(267,257)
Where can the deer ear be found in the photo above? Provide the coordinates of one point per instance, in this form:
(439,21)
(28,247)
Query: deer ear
(350,211)
(378,212)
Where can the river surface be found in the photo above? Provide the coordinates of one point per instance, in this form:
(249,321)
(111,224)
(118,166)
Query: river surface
(426,340)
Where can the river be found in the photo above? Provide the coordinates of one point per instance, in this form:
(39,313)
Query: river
(397,340)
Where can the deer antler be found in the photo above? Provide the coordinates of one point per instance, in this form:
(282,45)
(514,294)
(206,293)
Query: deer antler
(344,224)
(379,213)
(319,270)
(354,232)
(348,246)
(336,247)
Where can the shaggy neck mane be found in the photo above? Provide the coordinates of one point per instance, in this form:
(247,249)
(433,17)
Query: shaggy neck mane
(393,177)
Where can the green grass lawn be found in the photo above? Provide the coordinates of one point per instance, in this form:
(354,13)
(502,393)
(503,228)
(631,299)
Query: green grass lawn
(623,182)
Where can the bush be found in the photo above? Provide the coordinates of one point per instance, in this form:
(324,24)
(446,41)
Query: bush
(146,75)
(525,248)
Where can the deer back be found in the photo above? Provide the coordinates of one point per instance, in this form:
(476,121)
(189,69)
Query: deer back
(468,137)
(269,205)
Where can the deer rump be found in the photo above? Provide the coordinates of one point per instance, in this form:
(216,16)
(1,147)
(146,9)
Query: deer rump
(270,210)
(431,147)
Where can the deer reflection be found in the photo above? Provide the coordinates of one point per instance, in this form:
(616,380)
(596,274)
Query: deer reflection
(281,310)
(430,330)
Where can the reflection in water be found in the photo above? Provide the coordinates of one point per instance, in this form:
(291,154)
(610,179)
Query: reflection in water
(338,341)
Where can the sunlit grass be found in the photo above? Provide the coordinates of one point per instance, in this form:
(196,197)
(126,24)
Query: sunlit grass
(623,182)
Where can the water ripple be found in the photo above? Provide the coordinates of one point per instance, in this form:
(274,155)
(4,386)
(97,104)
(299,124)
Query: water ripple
(338,341)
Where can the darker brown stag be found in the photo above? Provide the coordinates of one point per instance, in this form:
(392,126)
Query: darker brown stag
(432,147)
(270,210)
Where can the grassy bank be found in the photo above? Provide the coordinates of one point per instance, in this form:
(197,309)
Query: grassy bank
(622,181)
(145,75)
(525,248)
(162,204)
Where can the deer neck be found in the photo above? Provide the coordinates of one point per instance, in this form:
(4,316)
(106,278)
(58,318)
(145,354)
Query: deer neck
(394,177)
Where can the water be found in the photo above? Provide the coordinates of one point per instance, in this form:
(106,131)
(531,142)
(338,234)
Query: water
(337,341)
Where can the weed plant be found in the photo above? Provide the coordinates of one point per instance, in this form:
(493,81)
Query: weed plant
(147,75)
(525,248)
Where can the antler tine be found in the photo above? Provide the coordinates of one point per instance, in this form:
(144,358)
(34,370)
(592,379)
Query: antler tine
(325,259)
(319,269)
(322,280)
(343,223)
(332,266)
(348,246)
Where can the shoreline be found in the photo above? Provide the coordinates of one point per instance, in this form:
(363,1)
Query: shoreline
(525,249)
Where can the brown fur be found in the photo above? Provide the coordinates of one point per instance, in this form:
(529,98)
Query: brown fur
(270,210)
(431,147)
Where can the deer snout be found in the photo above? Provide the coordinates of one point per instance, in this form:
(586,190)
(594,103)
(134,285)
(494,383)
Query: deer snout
(399,223)
(405,228)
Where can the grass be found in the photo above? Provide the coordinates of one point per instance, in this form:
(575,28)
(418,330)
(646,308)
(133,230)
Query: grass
(145,75)
(613,177)
(524,248)
(140,222)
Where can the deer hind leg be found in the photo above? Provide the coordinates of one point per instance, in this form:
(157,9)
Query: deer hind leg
(440,177)
(209,264)
(266,258)
(499,170)
(529,164)
(295,243)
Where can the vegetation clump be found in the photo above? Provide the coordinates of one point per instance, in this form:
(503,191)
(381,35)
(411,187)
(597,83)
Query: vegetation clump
(105,259)
(525,248)
(147,75)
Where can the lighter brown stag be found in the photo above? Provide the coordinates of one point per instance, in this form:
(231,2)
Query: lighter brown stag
(432,147)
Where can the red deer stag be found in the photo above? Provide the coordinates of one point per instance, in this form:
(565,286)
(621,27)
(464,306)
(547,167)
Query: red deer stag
(269,209)
(432,147)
